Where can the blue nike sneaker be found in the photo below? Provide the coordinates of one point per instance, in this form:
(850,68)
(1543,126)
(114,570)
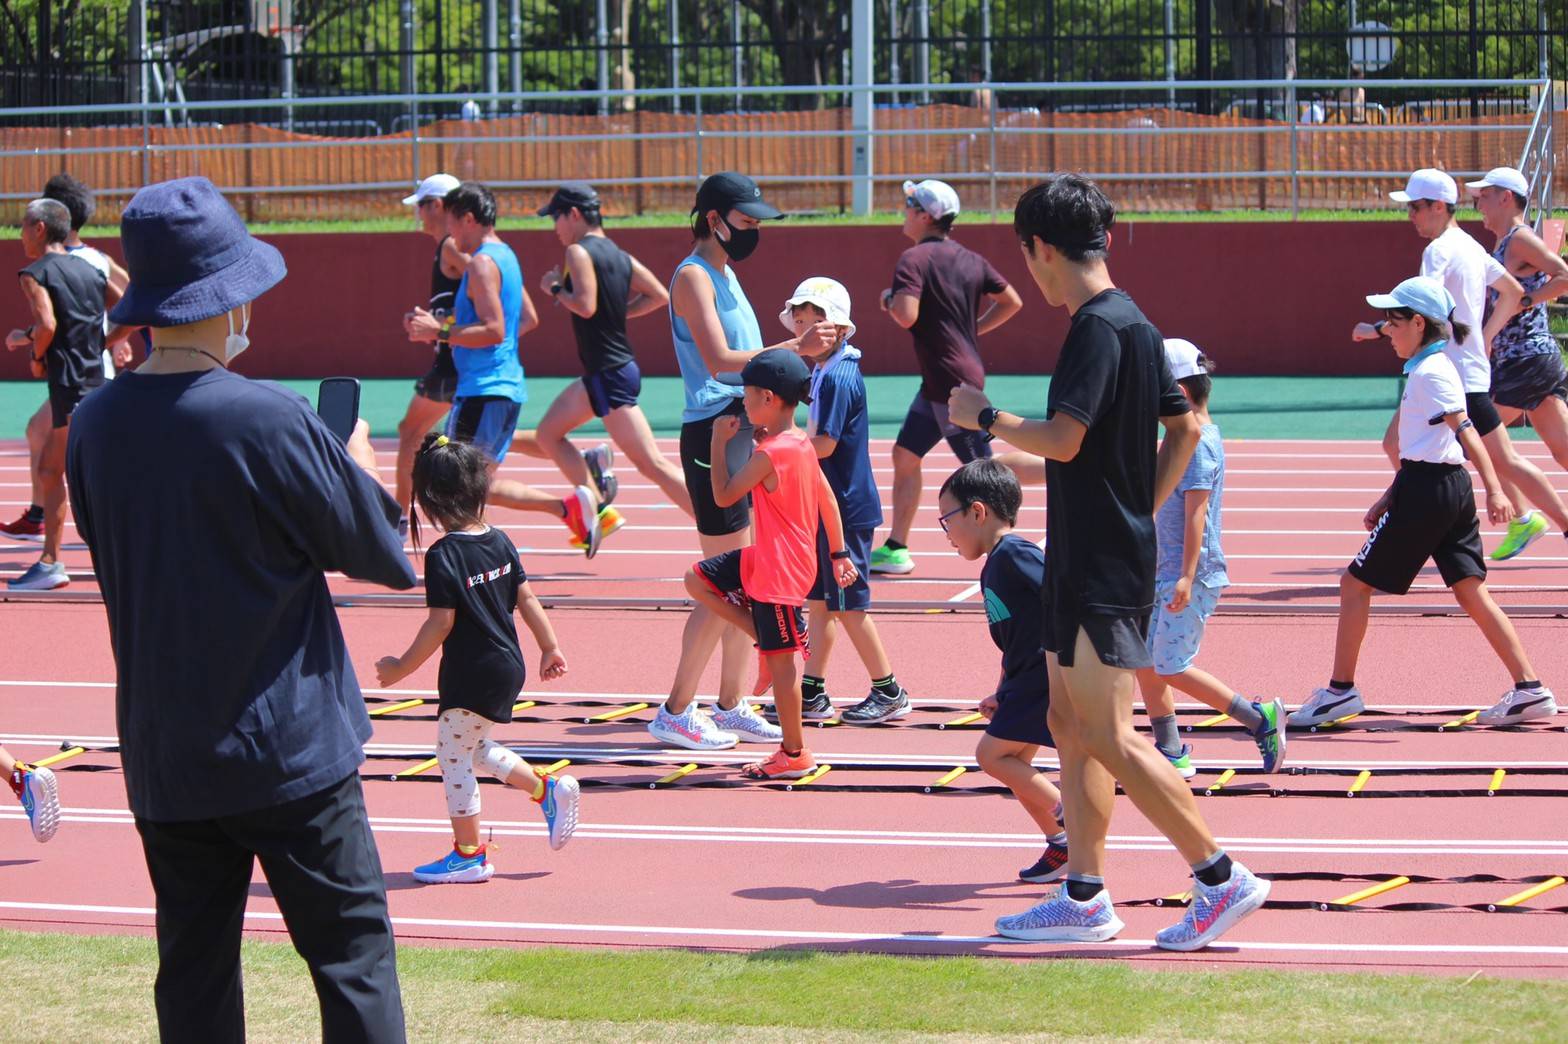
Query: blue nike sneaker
(559,806)
(1060,918)
(456,868)
(1215,909)
(40,797)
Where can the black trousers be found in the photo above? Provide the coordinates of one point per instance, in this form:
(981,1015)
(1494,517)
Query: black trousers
(321,863)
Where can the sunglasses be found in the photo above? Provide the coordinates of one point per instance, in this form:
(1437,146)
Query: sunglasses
(911,203)
(942,520)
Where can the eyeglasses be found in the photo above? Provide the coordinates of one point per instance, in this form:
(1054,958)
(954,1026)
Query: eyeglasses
(942,521)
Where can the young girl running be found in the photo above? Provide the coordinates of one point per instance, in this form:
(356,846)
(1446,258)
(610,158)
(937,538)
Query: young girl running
(1428,512)
(473,582)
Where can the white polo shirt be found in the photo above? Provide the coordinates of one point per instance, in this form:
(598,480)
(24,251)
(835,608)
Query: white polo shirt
(1465,269)
(1432,390)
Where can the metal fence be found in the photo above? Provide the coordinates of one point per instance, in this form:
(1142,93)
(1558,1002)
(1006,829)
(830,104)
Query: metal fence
(171,51)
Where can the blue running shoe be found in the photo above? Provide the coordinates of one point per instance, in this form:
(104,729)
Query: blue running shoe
(456,868)
(1214,910)
(40,797)
(559,806)
(1062,919)
(1270,737)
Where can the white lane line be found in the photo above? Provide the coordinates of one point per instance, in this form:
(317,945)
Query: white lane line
(695,932)
(966,594)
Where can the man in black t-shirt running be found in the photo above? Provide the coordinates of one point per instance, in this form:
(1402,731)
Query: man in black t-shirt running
(601,286)
(65,295)
(1111,390)
(937,291)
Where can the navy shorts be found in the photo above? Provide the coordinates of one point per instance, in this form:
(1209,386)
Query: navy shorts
(487,421)
(611,389)
(1023,706)
(927,423)
(780,628)
(858,594)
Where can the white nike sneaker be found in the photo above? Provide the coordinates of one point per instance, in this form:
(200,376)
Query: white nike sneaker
(746,724)
(1519,705)
(1325,706)
(692,729)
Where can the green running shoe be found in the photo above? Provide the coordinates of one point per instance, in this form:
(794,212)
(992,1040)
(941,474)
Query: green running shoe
(1181,762)
(1522,532)
(1270,738)
(888,560)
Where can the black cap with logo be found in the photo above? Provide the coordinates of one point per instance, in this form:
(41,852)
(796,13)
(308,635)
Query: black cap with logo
(777,370)
(577,194)
(728,191)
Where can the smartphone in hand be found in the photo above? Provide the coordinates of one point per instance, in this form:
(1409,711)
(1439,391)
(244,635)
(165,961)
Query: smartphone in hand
(337,403)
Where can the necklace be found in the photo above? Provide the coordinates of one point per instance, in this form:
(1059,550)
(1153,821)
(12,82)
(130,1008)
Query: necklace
(184,348)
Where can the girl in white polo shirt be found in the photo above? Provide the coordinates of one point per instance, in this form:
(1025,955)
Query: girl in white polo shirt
(1428,513)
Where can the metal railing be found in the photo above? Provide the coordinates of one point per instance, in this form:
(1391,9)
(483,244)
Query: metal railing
(982,145)
(1537,158)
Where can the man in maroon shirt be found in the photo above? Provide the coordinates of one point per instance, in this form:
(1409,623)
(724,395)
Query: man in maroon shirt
(937,291)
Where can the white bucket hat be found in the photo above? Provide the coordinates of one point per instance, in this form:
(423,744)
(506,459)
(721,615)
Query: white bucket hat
(828,295)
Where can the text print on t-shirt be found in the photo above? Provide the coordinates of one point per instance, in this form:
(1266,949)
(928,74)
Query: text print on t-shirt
(487,576)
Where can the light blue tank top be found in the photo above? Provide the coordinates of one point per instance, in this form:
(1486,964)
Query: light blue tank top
(495,370)
(706,397)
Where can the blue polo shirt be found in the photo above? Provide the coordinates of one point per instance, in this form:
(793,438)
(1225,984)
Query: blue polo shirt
(494,370)
(213,506)
(838,410)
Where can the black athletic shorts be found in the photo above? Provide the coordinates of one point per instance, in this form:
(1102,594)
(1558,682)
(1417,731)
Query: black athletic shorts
(1120,640)
(440,383)
(1481,410)
(1023,707)
(63,400)
(613,388)
(696,443)
(1526,382)
(927,423)
(1432,515)
(780,628)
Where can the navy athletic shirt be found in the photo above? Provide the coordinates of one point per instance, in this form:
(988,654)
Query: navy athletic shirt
(1011,582)
(838,410)
(213,505)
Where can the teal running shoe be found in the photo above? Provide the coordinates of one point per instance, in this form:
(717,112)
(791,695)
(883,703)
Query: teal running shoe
(1270,737)
(1522,532)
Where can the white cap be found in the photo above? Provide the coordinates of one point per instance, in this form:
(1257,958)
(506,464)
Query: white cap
(936,198)
(1502,177)
(828,295)
(1428,184)
(1186,358)
(436,185)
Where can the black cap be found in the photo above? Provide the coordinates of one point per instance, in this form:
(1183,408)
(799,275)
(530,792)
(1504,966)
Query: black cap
(777,370)
(577,194)
(726,191)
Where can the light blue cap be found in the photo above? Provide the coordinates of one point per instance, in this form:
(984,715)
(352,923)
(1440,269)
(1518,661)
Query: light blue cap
(1421,295)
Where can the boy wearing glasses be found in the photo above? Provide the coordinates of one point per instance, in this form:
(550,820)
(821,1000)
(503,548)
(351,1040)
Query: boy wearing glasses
(937,291)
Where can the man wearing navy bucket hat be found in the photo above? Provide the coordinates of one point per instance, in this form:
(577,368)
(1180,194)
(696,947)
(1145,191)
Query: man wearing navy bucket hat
(213,506)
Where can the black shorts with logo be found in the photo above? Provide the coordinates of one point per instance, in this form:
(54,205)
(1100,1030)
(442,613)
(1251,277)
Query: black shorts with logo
(696,444)
(780,628)
(1431,515)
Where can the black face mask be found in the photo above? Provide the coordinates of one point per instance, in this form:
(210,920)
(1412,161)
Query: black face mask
(742,242)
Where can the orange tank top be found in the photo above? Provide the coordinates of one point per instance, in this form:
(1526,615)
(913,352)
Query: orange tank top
(781,565)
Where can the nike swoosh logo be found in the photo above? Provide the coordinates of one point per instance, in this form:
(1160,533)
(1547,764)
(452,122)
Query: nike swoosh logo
(1203,924)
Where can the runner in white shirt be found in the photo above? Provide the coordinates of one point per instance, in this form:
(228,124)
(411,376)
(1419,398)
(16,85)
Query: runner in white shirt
(1428,513)
(1464,268)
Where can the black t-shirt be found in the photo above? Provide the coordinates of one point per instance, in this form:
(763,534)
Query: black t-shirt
(601,338)
(1112,376)
(75,288)
(443,298)
(1010,583)
(477,574)
(234,691)
(950,280)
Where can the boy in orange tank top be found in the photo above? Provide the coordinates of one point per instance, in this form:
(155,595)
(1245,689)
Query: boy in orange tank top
(762,589)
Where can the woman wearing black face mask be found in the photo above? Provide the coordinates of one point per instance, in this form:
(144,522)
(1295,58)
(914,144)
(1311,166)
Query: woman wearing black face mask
(716,332)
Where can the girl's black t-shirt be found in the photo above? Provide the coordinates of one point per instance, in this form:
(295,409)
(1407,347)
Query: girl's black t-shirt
(478,575)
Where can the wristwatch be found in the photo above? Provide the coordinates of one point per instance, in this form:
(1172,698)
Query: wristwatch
(1526,302)
(446,326)
(986,418)
(556,288)
(839,555)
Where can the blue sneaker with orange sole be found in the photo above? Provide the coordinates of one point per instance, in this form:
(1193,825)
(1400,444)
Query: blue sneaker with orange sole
(456,868)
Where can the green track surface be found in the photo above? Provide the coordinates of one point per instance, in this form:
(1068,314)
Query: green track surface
(1245,407)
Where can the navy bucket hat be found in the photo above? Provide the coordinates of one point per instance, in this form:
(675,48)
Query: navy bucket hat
(189,256)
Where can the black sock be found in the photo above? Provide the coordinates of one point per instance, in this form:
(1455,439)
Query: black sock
(811,687)
(1528,686)
(1083,887)
(1214,870)
(35,513)
(893,545)
(886,686)
(1339,688)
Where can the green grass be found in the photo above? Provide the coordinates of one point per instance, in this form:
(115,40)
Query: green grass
(780,995)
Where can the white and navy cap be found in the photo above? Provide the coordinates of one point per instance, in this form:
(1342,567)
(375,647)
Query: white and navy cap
(1504,178)
(1420,294)
(936,198)
(828,295)
(436,186)
(1186,359)
(1428,183)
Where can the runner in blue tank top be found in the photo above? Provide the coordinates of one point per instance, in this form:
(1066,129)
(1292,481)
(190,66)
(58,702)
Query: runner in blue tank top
(715,331)
(491,310)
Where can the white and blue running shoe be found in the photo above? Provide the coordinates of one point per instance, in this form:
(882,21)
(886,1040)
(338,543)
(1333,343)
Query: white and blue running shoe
(559,806)
(1215,909)
(1061,918)
(456,868)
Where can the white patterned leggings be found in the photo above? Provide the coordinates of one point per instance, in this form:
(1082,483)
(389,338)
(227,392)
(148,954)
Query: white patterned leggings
(464,745)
